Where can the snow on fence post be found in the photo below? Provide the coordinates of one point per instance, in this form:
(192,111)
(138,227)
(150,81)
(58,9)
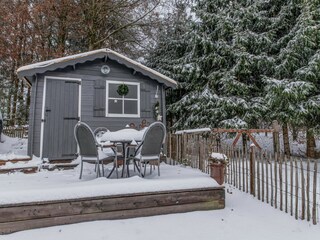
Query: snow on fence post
(314,207)
(252,170)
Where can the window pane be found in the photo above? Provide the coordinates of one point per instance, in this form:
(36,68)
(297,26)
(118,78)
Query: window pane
(113,90)
(130,107)
(133,92)
(115,106)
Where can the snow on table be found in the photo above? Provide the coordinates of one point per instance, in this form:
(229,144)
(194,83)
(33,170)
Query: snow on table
(128,134)
(60,185)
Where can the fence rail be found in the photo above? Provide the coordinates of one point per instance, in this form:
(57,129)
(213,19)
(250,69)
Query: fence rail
(18,132)
(289,184)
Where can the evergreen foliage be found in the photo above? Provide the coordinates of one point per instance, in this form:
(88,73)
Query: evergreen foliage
(245,62)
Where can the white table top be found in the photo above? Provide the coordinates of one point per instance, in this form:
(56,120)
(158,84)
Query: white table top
(123,135)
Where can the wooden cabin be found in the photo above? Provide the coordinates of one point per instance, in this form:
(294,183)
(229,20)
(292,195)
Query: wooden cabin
(86,87)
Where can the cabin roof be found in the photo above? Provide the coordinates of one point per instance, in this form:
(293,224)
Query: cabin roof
(28,71)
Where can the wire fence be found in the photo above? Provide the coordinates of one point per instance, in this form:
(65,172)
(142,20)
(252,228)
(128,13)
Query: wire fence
(287,183)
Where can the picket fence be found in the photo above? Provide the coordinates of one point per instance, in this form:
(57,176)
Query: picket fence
(287,183)
(18,132)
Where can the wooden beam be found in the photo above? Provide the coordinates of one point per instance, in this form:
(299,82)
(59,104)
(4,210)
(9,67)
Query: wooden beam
(237,139)
(17,217)
(254,141)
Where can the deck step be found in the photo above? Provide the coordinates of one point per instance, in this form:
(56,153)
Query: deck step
(15,160)
(60,166)
(26,170)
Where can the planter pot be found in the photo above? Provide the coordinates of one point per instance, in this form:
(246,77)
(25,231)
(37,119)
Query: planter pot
(217,172)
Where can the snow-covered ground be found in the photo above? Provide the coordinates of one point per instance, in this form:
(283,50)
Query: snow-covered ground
(243,218)
(298,147)
(13,148)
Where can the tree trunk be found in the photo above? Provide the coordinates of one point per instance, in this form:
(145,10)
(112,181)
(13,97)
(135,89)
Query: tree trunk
(28,104)
(294,133)
(311,143)
(286,143)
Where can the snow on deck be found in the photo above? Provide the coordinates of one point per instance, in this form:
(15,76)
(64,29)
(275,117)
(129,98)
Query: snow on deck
(61,185)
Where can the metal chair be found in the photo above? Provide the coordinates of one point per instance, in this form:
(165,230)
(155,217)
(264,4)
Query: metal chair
(98,132)
(150,147)
(89,149)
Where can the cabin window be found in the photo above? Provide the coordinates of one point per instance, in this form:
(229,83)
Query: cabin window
(122,106)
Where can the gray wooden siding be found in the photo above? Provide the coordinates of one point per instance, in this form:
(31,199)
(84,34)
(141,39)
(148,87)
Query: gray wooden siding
(90,73)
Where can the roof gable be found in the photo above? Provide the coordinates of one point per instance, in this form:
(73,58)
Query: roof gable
(51,65)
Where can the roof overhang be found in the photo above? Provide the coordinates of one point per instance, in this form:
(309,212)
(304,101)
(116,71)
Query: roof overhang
(28,71)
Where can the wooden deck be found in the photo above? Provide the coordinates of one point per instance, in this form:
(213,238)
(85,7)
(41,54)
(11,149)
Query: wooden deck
(17,217)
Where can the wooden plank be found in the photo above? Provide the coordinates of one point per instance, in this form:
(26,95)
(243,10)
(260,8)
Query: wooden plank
(314,207)
(258,176)
(74,207)
(267,179)
(247,171)
(297,189)
(286,182)
(280,183)
(303,196)
(10,227)
(252,172)
(236,139)
(271,181)
(243,171)
(276,181)
(291,186)
(262,176)
(308,190)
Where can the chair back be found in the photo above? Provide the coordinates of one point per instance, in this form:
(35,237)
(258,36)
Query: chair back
(98,132)
(153,139)
(85,140)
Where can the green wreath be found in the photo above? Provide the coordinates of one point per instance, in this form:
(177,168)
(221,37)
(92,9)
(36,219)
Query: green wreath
(123,89)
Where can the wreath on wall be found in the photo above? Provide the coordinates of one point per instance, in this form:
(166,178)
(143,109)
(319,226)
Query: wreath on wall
(123,89)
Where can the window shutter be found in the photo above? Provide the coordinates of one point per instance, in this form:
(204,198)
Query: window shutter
(145,103)
(99,98)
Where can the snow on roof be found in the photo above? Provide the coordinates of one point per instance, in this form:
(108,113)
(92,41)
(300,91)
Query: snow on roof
(197,130)
(105,51)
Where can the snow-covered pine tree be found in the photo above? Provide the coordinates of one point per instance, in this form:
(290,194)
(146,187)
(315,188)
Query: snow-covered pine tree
(293,94)
(207,57)
(172,40)
(231,48)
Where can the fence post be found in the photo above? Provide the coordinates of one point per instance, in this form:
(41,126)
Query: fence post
(314,207)
(252,171)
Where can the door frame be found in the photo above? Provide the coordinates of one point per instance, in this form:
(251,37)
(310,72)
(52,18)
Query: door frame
(44,105)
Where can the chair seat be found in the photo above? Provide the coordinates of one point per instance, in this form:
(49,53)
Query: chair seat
(103,156)
(146,158)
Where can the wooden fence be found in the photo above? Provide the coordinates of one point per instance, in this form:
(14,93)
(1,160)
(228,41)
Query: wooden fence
(19,132)
(289,184)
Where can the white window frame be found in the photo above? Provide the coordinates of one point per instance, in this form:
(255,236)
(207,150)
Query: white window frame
(123,98)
